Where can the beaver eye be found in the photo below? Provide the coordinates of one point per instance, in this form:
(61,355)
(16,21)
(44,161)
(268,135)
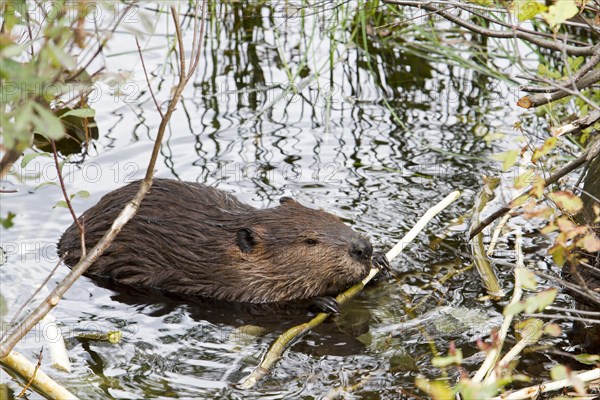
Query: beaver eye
(310,242)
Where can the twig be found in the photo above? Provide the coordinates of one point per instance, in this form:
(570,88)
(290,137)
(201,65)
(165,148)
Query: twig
(569,310)
(126,214)
(137,42)
(581,290)
(565,317)
(496,235)
(591,153)
(37,366)
(286,339)
(535,391)
(67,199)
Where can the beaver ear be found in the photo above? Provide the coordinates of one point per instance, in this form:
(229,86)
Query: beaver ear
(287,200)
(246,239)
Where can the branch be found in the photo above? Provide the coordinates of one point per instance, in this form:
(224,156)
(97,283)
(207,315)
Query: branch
(40,381)
(286,339)
(577,125)
(516,33)
(540,99)
(535,391)
(67,199)
(126,214)
(590,154)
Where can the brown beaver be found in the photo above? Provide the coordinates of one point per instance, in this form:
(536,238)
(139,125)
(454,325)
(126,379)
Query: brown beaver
(193,240)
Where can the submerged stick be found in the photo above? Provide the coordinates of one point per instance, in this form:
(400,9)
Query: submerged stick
(287,338)
(480,258)
(42,382)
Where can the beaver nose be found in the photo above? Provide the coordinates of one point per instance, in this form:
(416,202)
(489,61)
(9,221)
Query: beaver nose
(361,249)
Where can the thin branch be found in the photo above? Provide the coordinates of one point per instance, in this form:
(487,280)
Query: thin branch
(582,291)
(565,317)
(591,153)
(67,199)
(570,310)
(147,78)
(37,366)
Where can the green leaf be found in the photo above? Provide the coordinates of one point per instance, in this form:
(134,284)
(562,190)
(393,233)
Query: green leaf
(80,112)
(30,156)
(589,359)
(442,362)
(48,183)
(559,372)
(47,123)
(560,11)
(527,278)
(61,203)
(12,51)
(530,329)
(526,9)
(82,193)
(540,301)
(8,221)
(559,254)
(514,308)
(508,158)
(439,390)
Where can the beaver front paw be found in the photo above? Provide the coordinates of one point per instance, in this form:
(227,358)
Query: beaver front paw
(325,304)
(380,261)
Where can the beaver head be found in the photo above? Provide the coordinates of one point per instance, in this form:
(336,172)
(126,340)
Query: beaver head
(295,252)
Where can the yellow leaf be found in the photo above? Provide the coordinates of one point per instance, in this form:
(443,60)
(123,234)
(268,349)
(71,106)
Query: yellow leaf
(546,148)
(589,243)
(508,158)
(525,179)
(565,224)
(558,254)
(560,11)
(567,201)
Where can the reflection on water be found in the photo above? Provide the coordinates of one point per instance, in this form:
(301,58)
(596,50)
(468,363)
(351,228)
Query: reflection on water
(285,102)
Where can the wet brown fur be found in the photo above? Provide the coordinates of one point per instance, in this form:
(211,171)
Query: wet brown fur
(191,239)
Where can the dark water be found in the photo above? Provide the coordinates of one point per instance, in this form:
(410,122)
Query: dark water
(376,140)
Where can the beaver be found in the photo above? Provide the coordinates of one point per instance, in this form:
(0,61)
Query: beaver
(193,240)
